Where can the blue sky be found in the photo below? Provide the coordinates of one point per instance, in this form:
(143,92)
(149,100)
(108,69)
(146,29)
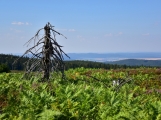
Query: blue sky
(91,26)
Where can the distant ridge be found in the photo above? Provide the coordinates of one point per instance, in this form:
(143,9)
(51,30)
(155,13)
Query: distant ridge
(136,62)
(115,57)
(131,63)
(103,57)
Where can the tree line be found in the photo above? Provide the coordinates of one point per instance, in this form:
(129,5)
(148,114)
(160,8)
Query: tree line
(90,64)
(6,60)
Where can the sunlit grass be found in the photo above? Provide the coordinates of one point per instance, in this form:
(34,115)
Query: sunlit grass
(84,94)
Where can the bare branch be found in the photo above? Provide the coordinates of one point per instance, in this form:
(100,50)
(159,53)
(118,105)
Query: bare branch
(58,33)
(51,56)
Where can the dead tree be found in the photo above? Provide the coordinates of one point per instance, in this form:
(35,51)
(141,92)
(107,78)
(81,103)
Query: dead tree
(47,55)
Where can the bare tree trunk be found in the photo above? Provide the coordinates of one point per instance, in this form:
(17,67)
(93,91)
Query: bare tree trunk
(50,58)
(46,53)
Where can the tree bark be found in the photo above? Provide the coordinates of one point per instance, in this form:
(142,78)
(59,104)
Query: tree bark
(46,53)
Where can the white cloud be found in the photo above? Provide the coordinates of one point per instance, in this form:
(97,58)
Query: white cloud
(108,35)
(80,38)
(20,23)
(120,33)
(113,34)
(16,31)
(146,34)
(21,37)
(17,23)
(63,29)
(156,23)
(71,30)
(27,23)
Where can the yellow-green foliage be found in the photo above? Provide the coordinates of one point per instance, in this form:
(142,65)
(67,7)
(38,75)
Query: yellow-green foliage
(81,96)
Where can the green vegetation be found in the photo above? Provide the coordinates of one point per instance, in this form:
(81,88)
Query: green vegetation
(90,64)
(81,96)
(9,59)
(4,68)
(135,62)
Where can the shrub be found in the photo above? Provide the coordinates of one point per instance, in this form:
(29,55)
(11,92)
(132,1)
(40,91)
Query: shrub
(4,68)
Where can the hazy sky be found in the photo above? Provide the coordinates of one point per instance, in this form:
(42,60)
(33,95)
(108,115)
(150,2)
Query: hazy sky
(97,26)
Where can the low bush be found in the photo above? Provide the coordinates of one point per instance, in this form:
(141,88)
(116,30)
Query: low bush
(4,68)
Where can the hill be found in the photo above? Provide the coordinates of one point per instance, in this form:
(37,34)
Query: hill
(103,57)
(136,62)
(131,63)
(9,59)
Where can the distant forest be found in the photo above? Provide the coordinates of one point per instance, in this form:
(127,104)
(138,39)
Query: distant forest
(9,59)
(136,62)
